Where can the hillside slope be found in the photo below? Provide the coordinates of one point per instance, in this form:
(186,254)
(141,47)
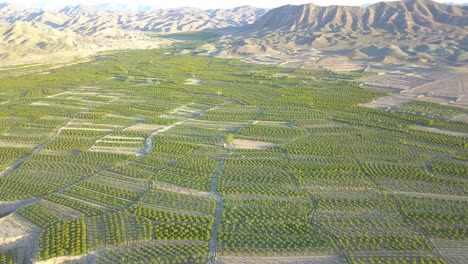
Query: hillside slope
(34,34)
(92,21)
(417,31)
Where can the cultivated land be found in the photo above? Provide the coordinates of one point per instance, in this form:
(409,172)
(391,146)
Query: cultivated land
(155,157)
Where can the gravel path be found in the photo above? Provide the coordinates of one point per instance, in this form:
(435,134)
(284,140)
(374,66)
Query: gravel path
(219,209)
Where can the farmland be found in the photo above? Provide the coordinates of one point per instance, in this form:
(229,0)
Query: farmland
(155,157)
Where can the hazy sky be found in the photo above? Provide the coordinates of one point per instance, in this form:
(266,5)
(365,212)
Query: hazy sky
(195,3)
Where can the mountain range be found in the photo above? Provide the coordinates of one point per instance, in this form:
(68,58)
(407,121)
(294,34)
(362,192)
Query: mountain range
(28,34)
(417,31)
(90,21)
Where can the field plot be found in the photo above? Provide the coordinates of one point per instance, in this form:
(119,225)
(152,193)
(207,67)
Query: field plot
(18,239)
(250,144)
(439,86)
(454,251)
(332,259)
(117,160)
(269,227)
(157,254)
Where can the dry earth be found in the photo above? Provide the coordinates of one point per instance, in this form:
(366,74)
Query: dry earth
(441,85)
(273,123)
(332,259)
(82,259)
(143,127)
(454,251)
(193,81)
(441,131)
(16,231)
(462,118)
(250,144)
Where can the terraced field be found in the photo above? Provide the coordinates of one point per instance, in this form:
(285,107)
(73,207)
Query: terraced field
(119,160)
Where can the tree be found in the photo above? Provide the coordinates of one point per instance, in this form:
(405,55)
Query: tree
(229,138)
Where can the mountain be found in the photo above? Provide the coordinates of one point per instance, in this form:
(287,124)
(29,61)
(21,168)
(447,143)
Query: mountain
(418,31)
(408,31)
(90,21)
(34,39)
(32,33)
(390,17)
(124,7)
(193,19)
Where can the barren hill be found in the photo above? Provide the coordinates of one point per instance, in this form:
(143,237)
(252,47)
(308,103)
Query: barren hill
(399,16)
(417,31)
(90,21)
(407,31)
(34,39)
(32,33)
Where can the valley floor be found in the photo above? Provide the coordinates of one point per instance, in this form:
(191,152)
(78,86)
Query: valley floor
(151,156)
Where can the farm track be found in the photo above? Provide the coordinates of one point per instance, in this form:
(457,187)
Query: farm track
(219,209)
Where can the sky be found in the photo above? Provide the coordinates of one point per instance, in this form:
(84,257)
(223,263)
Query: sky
(205,4)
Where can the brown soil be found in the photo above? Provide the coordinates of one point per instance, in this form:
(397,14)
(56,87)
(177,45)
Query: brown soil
(250,144)
(280,260)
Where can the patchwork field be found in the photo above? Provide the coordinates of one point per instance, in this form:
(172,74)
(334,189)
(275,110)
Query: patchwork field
(445,86)
(131,158)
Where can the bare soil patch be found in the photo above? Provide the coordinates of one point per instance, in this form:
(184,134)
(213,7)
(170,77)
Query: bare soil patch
(462,118)
(432,195)
(87,129)
(63,212)
(7,144)
(126,117)
(66,260)
(40,104)
(272,123)
(389,102)
(193,81)
(14,230)
(117,150)
(441,131)
(123,138)
(454,251)
(144,127)
(174,188)
(339,64)
(280,260)
(250,144)
(79,123)
(280,75)
(215,124)
(443,86)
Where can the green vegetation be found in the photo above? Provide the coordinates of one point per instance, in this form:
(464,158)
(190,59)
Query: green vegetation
(120,156)
(229,138)
(191,36)
(156,254)
(268,226)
